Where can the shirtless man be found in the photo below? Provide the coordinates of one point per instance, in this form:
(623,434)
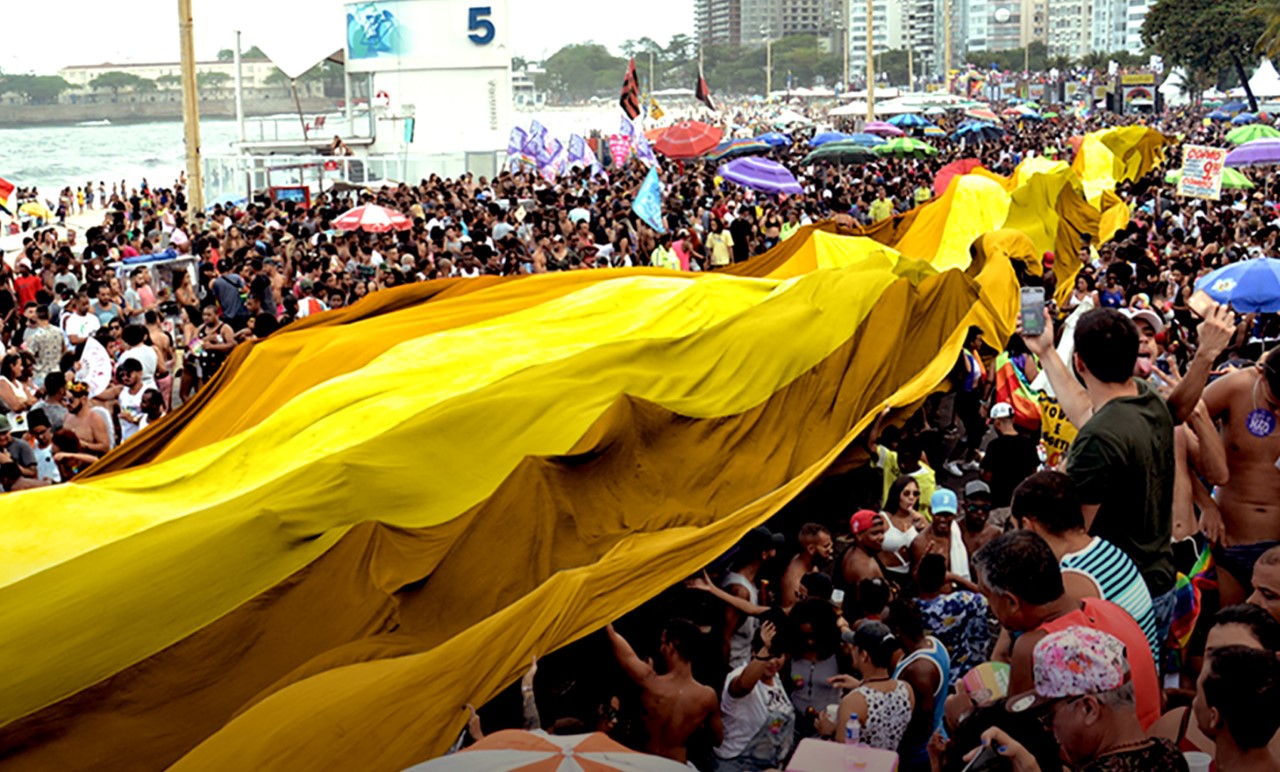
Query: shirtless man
(675,705)
(974,528)
(859,561)
(88,425)
(940,538)
(1247,523)
(816,549)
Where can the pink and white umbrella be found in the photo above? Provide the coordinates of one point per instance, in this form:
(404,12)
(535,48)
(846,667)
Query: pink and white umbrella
(513,750)
(372,218)
(883,129)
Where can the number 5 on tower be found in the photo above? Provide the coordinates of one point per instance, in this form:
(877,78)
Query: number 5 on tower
(481,28)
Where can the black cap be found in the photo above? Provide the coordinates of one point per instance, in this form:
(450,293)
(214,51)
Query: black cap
(761,538)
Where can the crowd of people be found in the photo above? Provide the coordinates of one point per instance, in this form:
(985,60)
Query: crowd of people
(974,586)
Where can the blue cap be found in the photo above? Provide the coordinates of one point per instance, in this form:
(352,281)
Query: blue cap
(943,500)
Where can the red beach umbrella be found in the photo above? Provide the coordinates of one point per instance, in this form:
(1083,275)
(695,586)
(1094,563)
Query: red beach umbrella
(688,139)
(372,218)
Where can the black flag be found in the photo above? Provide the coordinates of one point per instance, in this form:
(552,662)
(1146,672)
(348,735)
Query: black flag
(703,93)
(630,100)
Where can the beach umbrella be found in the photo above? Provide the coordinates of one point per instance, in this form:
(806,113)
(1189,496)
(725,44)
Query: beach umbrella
(372,218)
(1232,179)
(1249,285)
(819,140)
(840,153)
(934,131)
(775,138)
(936,111)
(1244,118)
(977,132)
(906,147)
(909,121)
(953,169)
(515,749)
(1260,152)
(1219,115)
(1251,133)
(688,139)
(761,174)
(1234,106)
(982,114)
(865,139)
(738,147)
(886,129)
(1050,115)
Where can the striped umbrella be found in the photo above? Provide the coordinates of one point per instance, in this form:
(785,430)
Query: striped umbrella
(372,218)
(1244,134)
(841,153)
(906,147)
(865,139)
(761,174)
(515,750)
(738,147)
(909,121)
(1260,152)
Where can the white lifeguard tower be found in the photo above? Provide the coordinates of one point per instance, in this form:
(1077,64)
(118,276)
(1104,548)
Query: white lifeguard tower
(427,90)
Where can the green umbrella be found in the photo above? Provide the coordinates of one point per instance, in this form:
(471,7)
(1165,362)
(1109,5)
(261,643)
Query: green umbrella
(907,147)
(842,152)
(1049,115)
(1232,179)
(1243,134)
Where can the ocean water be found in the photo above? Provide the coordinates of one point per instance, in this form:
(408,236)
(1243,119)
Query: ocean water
(52,157)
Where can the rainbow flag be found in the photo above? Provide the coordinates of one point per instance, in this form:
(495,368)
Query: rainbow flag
(1188,595)
(6,190)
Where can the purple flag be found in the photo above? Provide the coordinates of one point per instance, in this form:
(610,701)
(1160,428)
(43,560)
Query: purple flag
(577,149)
(538,133)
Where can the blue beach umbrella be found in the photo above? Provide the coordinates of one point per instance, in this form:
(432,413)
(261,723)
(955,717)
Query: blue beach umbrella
(1248,285)
(827,136)
(1244,118)
(775,138)
(909,121)
(1219,115)
(1235,106)
(865,139)
(977,132)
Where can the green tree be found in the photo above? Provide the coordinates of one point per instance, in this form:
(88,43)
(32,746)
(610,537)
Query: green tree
(1033,58)
(116,80)
(168,81)
(1268,12)
(581,71)
(227,54)
(1205,37)
(35,89)
(893,65)
(212,79)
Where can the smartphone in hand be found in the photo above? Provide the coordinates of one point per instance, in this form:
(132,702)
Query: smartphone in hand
(1032,311)
(1200,303)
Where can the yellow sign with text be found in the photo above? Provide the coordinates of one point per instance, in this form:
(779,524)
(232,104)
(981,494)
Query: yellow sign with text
(1056,432)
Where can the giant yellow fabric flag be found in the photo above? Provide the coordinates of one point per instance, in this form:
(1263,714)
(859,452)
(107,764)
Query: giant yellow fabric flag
(379,514)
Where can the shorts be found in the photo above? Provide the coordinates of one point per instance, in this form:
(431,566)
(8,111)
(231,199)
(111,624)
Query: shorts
(1238,560)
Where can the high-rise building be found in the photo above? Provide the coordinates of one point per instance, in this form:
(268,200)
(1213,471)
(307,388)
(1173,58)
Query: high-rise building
(718,22)
(889,27)
(761,19)
(994,25)
(1110,27)
(1137,13)
(1035,28)
(805,17)
(1070,28)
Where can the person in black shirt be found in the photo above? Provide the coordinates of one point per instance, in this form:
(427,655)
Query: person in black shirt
(1010,459)
(741,230)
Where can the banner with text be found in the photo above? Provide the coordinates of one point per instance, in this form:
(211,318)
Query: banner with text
(1202,169)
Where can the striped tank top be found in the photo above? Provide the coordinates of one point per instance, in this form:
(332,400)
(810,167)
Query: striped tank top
(1117,579)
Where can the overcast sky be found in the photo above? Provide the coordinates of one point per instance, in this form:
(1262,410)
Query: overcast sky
(92,31)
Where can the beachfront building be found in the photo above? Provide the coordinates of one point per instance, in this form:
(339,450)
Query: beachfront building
(1035,23)
(718,22)
(994,25)
(1137,13)
(1070,28)
(256,77)
(890,23)
(751,22)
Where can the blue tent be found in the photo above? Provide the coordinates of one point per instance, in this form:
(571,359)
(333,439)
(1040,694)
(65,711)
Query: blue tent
(827,136)
(1244,118)
(775,138)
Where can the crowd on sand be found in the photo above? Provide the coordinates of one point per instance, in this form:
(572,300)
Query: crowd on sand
(1109,601)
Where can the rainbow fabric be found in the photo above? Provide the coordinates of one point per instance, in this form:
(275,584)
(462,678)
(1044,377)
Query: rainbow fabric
(381,513)
(1188,594)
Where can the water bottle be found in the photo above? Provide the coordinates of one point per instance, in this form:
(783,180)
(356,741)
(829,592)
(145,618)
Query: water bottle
(852,738)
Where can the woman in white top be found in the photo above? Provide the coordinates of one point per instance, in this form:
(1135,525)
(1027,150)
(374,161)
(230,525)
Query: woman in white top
(14,397)
(902,524)
(759,719)
(882,703)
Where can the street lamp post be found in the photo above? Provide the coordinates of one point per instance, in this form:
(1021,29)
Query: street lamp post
(767,34)
(871,62)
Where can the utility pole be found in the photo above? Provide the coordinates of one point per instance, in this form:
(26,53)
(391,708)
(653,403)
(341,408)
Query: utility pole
(190,110)
(911,70)
(239,89)
(767,34)
(946,54)
(844,31)
(871,62)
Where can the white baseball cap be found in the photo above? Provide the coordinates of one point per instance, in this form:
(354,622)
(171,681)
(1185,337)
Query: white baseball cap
(1146,314)
(1001,410)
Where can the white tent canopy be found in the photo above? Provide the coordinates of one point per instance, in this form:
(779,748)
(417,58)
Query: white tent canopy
(1265,82)
(788,117)
(849,109)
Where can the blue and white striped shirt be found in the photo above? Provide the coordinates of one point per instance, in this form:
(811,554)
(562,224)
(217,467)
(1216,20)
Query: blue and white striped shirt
(1118,581)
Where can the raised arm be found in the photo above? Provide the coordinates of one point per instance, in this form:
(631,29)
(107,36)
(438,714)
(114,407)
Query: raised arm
(738,602)
(750,676)
(1071,395)
(637,669)
(1214,333)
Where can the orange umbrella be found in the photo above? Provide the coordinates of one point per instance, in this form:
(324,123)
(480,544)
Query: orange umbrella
(982,114)
(653,134)
(688,139)
(513,749)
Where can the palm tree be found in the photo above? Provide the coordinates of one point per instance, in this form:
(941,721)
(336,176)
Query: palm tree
(1269,12)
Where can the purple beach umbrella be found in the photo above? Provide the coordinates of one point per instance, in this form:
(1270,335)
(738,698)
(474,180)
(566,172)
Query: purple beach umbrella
(761,174)
(1260,152)
(880,127)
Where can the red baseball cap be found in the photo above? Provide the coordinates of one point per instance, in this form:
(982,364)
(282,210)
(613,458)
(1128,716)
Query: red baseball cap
(862,520)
